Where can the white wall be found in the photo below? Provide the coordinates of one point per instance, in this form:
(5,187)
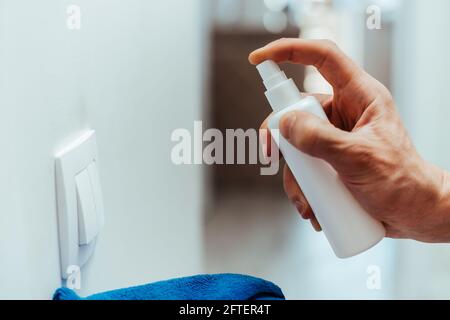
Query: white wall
(132,74)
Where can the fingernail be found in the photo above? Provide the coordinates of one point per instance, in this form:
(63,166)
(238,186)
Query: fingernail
(317,227)
(286,124)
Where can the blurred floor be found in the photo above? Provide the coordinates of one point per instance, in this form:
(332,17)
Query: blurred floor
(261,234)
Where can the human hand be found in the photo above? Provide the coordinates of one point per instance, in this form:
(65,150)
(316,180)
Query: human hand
(366,143)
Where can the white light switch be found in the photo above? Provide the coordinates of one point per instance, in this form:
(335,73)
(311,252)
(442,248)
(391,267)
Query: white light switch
(80,202)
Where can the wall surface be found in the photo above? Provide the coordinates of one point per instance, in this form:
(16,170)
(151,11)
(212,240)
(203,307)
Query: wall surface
(132,74)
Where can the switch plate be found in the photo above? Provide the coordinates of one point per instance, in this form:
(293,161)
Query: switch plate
(80,203)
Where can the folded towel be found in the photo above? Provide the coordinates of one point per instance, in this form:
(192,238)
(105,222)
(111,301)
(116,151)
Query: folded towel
(203,287)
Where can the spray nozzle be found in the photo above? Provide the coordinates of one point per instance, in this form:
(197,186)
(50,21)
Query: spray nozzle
(271,74)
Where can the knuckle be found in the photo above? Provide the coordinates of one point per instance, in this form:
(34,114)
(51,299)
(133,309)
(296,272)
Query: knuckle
(282,40)
(328,43)
(384,95)
(388,98)
(329,49)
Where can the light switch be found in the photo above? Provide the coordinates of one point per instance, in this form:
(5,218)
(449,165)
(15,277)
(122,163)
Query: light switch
(80,203)
(88,226)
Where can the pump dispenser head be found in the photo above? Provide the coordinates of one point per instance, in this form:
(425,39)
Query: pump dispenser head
(281,91)
(271,74)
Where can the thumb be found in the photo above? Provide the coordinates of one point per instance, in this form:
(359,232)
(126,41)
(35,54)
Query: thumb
(316,137)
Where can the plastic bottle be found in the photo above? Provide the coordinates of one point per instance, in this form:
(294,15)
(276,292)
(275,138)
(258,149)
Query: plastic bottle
(350,230)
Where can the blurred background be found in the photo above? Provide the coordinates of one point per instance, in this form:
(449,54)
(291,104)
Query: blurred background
(135,72)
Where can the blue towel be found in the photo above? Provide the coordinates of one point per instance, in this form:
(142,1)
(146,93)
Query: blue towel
(203,287)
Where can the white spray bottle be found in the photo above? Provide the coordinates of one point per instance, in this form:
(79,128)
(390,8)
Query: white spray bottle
(348,227)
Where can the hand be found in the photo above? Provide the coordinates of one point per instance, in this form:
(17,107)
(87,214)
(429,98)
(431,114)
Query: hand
(366,143)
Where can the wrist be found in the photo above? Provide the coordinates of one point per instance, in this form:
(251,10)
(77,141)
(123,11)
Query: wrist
(441,212)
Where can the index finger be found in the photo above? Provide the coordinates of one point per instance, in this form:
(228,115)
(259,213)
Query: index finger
(332,63)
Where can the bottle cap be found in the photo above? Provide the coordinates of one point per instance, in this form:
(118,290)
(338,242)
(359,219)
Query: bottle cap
(271,74)
(281,91)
